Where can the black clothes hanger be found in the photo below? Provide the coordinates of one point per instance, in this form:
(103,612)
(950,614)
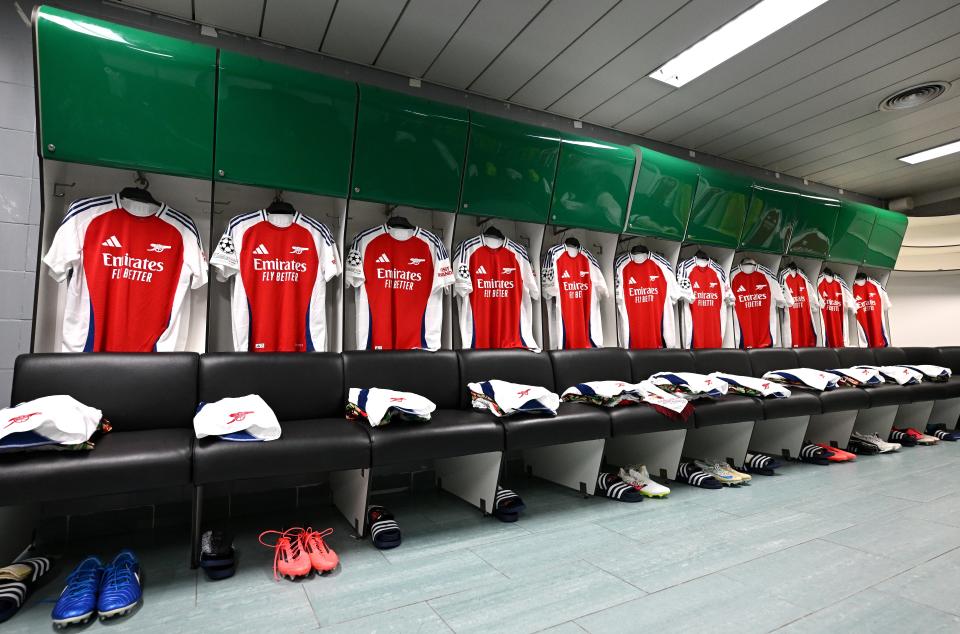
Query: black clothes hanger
(792,266)
(493,232)
(828,271)
(399,222)
(279,206)
(640,249)
(701,255)
(572,242)
(139,194)
(860,276)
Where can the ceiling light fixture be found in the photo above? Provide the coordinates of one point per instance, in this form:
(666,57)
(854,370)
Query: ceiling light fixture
(932,153)
(751,26)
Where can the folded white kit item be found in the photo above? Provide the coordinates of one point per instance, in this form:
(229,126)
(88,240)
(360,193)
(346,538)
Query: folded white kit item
(862,376)
(752,386)
(897,374)
(620,393)
(804,377)
(933,372)
(503,398)
(690,385)
(244,418)
(380,406)
(57,420)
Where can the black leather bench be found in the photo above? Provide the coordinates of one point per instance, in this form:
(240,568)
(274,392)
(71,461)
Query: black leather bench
(733,408)
(611,364)
(149,401)
(922,391)
(844,398)
(451,431)
(574,422)
(881,395)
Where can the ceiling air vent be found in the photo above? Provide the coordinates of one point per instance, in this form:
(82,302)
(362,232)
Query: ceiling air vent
(915,96)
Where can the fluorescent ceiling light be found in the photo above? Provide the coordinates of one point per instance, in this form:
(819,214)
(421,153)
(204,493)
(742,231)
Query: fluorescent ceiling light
(751,26)
(932,153)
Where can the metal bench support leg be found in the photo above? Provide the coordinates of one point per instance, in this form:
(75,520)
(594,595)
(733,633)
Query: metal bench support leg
(195,523)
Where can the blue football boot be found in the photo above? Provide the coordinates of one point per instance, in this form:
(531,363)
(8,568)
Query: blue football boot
(78,601)
(120,587)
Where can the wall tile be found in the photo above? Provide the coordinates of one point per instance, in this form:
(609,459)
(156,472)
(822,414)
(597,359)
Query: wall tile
(36,199)
(11,290)
(6,383)
(30,250)
(16,48)
(16,107)
(28,283)
(13,237)
(14,199)
(18,148)
(9,342)
(26,335)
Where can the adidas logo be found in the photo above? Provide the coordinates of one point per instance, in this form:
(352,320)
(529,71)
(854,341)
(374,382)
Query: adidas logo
(383,259)
(112,242)
(696,285)
(566,275)
(261,250)
(741,290)
(632,281)
(481,271)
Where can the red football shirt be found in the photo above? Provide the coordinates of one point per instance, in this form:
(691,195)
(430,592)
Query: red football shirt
(399,279)
(278,303)
(798,318)
(575,284)
(646,293)
(757,296)
(833,298)
(495,283)
(872,304)
(704,316)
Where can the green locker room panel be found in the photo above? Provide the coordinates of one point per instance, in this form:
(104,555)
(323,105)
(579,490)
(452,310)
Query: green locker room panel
(771,219)
(121,97)
(719,208)
(409,151)
(593,185)
(886,238)
(854,225)
(663,196)
(510,169)
(283,127)
(816,220)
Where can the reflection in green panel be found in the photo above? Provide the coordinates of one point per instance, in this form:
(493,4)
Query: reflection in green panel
(510,169)
(816,219)
(771,218)
(886,238)
(121,97)
(719,208)
(282,127)
(409,151)
(663,195)
(593,185)
(854,224)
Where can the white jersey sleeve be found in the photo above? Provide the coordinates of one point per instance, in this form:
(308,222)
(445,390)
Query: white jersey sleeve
(66,251)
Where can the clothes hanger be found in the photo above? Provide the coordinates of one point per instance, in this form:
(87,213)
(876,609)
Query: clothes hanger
(493,232)
(640,249)
(828,271)
(139,194)
(860,276)
(572,242)
(399,222)
(792,266)
(279,206)
(701,255)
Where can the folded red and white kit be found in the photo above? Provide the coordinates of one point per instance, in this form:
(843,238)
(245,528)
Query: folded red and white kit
(244,419)
(504,398)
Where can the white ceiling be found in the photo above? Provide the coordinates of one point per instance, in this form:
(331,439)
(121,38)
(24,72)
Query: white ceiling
(803,101)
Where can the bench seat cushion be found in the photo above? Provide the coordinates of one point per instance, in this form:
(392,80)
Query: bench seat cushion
(888,394)
(574,422)
(799,403)
(448,433)
(733,408)
(121,462)
(844,399)
(641,419)
(305,446)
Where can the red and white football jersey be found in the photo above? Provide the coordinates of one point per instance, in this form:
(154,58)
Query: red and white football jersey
(835,301)
(646,290)
(496,286)
(128,275)
(757,296)
(872,306)
(575,285)
(802,321)
(399,275)
(282,264)
(705,304)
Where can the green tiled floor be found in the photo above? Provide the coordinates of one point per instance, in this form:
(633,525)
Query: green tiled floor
(868,546)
